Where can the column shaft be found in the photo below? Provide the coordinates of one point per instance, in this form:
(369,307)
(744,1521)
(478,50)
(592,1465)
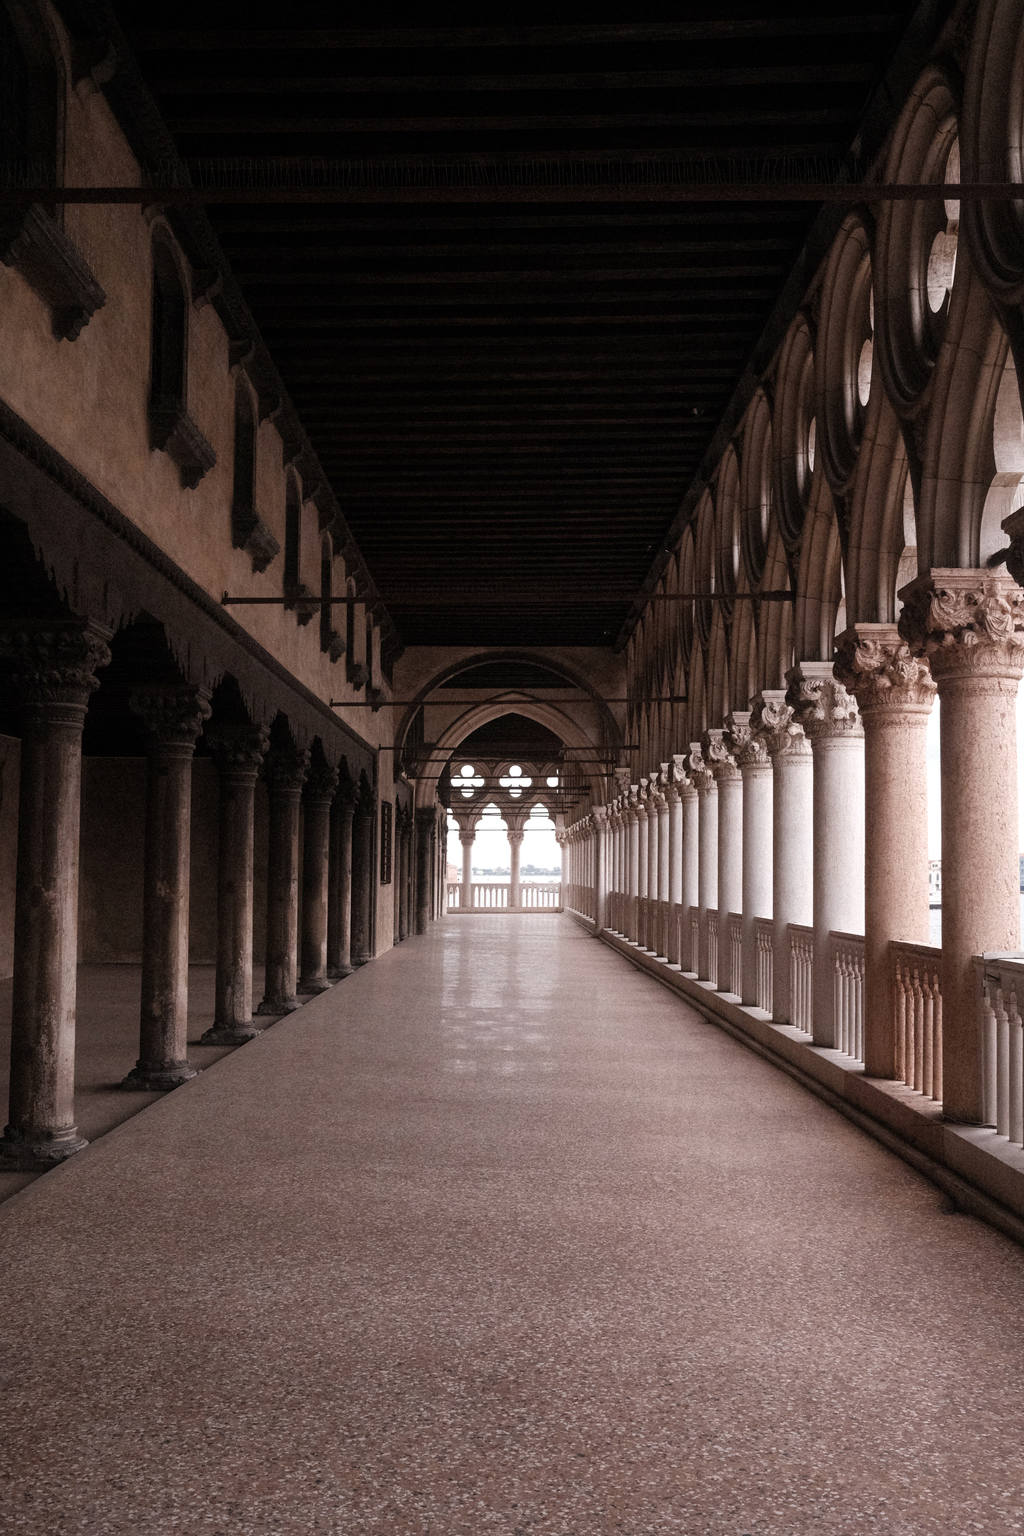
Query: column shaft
(54,674)
(830,719)
(970,626)
(238,752)
(286,769)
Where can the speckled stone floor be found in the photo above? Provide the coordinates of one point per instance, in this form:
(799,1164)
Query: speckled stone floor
(500,1237)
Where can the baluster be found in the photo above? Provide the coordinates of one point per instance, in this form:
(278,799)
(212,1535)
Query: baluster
(900,1005)
(988,1051)
(937,1053)
(1002,1065)
(1015,1119)
(918,1003)
(928,1039)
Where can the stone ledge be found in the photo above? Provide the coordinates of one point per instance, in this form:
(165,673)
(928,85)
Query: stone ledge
(979,1170)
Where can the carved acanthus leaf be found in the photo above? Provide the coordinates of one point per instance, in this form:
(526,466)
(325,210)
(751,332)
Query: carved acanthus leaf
(823,706)
(56,663)
(286,769)
(172,715)
(238,748)
(883,672)
(971,622)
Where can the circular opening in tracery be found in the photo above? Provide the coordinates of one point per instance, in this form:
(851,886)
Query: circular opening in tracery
(468,770)
(941,268)
(515,772)
(864,371)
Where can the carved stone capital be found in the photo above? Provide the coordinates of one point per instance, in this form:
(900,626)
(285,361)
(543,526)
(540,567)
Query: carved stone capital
(680,779)
(321,783)
(820,703)
(773,722)
(718,757)
(238,749)
(967,623)
(600,814)
(621,780)
(56,662)
(700,773)
(286,769)
(876,664)
(173,715)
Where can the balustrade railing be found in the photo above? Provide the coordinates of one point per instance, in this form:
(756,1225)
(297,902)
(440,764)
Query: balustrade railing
(712,955)
(1002,1038)
(846,962)
(917,999)
(801,977)
(694,950)
(492,896)
(731,980)
(764,939)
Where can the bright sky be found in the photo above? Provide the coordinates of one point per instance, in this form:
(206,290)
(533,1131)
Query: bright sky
(934,809)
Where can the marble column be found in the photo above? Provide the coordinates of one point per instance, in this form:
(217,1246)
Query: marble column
(654,798)
(689,895)
(832,723)
(633,862)
(751,756)
(643,831)
(602,866)
(792,834)
(467,821)
(54,672)
(285,770)
(364,875)
(317,795)
(173,717)
(467,839)
(664,860)
(238,751)
(514,824)
(969,625)
(895,692)
(707,849)
(729,781)
(425,823)
(339,882)
(674,839)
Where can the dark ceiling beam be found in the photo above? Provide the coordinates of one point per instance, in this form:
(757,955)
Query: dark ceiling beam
(511,122)
(402,220)
(707,29)
(427,250)
(221,82)
(470,277)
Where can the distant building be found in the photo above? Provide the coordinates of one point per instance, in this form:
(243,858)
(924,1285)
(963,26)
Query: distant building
(935,881)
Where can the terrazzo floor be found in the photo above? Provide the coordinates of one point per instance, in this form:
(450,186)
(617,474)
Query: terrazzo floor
(500,1237)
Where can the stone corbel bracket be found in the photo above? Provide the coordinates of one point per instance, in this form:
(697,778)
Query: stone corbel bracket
(44,256)
(172,430)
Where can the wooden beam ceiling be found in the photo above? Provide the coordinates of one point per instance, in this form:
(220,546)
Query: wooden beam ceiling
(515,398)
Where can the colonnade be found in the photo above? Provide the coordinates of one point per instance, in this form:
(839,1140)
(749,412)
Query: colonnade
(758,830)
(56,666)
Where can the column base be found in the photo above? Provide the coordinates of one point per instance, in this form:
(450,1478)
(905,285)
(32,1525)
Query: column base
(315,984)
(37,1154)
(339,972)
(276,1007)
(144,1079)
(359,960)
(228,1034)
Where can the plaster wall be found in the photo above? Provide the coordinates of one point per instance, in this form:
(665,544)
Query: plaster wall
(89,399)
(111,863)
